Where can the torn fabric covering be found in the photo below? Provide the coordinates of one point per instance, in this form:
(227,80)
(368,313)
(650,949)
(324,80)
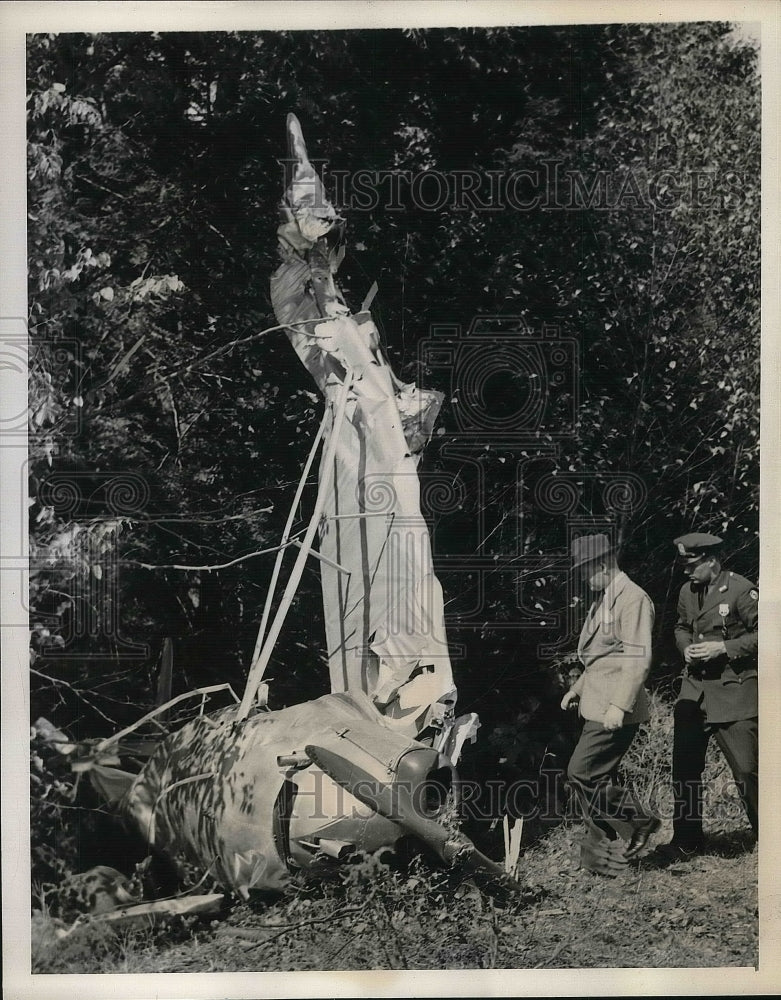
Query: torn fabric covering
(384,609)
(230,796)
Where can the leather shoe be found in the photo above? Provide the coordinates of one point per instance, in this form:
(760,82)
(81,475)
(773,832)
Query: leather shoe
(602,856)
(641,835)
(678,850)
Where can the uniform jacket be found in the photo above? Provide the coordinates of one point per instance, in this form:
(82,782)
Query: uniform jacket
(615,650)
(727,686)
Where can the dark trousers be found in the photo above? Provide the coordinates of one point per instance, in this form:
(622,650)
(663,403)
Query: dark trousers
(739,742)
(592,774)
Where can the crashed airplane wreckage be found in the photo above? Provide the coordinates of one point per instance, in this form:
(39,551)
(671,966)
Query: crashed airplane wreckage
(252,796)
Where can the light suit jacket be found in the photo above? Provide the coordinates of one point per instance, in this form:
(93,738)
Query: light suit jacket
(615,650)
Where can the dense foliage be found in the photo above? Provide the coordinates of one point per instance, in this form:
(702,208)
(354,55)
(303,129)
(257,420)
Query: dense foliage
(168,430)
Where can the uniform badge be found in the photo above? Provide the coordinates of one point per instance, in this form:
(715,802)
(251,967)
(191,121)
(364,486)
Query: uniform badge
(724,610)
(753,595)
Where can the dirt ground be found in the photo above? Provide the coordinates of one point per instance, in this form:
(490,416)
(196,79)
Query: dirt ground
(701,913)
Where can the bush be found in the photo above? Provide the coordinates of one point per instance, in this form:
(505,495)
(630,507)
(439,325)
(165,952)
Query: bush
(647,767)
(54,824)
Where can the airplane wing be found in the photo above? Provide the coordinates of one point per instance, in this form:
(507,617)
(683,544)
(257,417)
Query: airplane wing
(383,604)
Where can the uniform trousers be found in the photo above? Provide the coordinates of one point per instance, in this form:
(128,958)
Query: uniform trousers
(592,771)
(739,742)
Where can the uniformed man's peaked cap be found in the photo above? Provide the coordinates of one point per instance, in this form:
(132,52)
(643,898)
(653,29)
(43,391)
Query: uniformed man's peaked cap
(696,544)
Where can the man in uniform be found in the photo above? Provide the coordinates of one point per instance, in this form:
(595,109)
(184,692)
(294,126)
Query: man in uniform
(615,649)
(716,633)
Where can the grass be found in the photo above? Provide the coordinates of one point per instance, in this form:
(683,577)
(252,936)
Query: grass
(701,913)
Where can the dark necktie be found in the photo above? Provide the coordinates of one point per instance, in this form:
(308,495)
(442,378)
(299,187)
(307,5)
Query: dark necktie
(700,589)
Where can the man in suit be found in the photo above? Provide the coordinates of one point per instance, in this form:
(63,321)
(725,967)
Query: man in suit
(615,649)
(716,634)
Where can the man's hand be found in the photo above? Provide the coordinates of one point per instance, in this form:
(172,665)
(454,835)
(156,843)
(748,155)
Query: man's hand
(614,718)
(687,655)
(705,651)
(570,700)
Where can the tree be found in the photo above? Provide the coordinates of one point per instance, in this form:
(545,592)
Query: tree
(154,178)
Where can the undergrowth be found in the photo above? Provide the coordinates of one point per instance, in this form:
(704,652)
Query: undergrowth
(647,767)
(373,914)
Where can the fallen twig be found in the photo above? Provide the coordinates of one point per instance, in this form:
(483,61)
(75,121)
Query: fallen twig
(251,933)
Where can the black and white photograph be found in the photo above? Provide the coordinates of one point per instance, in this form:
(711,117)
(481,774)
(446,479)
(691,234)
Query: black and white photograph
(383,387)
